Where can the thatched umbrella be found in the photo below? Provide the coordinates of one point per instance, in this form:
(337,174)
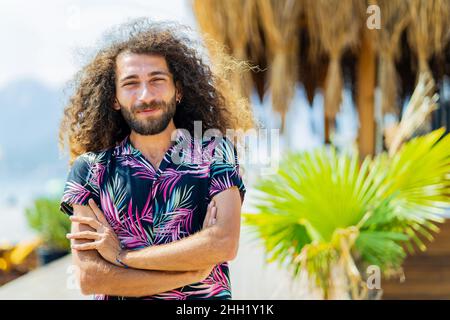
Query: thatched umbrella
(428,35)
(280,22)
(395,17)
(333,27)
(237,24)
(317,42)
(430,32)
(220,31)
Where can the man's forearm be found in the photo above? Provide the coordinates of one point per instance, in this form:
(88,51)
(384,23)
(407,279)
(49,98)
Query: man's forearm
(100,277)
(195,252)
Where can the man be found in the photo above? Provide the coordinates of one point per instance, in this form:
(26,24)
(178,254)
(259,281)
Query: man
(155,213)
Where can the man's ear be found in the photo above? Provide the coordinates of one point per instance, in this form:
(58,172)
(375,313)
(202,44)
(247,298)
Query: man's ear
(116,104)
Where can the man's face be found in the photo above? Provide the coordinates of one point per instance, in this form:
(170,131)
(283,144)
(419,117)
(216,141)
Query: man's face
(145,92)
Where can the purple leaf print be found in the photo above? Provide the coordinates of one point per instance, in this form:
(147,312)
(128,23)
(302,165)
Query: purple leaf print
(178,225)
(147,211)
(169,178)
(216,283)
(138,236)
(130,231)
(75,193)
(221,183)
(97,174)
(142,169)
(171,295)
(108,208)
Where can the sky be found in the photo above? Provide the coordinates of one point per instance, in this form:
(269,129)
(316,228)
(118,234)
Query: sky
(39,38)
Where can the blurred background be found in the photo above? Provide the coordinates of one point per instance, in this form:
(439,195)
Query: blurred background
(335,73)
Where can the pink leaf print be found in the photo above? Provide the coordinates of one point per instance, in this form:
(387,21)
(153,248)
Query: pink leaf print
(221,183)
(142,169)
(97,174)
(169,178)
(130,232)
(75,193)
(170,295)
(178,226)
(217,282)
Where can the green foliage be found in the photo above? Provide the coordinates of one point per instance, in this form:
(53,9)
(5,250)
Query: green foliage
(44,217)
(391,202)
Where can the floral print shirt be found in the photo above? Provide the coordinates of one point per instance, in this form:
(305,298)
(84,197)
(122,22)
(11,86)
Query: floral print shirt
(150,206)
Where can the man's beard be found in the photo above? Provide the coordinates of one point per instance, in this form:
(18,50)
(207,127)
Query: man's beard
(150,126)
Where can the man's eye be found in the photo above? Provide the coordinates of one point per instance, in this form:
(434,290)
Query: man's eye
(158,80)
(129,84)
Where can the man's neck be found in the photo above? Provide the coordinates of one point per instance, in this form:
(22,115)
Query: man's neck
(153,147)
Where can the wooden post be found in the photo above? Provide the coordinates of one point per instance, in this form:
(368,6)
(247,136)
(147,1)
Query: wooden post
(365,93)
(329,128)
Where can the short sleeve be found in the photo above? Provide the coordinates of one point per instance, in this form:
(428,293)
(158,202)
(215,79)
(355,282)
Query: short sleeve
(81,184)
(224,169)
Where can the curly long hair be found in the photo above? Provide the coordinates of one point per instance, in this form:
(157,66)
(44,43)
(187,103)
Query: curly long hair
(91,124)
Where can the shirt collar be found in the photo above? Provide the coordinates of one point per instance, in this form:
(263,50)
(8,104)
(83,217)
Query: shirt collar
(125,147)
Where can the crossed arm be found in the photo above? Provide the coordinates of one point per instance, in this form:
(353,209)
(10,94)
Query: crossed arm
(212,245)
(154,269)
(98,276)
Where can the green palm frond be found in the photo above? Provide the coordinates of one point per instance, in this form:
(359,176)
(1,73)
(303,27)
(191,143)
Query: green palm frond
(284,237)
(322,190)
(381,248)
(419,188)
(393,202)
(420,173)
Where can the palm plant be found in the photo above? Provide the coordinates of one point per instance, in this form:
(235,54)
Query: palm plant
(325,211)
(44,217)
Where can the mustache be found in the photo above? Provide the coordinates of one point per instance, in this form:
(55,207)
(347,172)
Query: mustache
(152,105)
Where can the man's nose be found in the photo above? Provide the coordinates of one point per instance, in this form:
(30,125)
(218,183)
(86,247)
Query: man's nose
(145,95)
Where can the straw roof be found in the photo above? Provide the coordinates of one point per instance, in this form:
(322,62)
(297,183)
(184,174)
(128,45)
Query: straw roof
(315,43)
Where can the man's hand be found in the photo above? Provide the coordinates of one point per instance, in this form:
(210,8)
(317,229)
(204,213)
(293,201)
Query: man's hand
(104,238)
